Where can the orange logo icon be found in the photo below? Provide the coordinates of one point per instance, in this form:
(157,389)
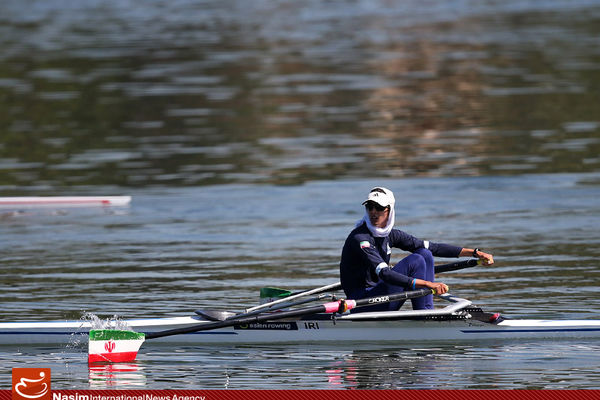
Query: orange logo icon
(31,384)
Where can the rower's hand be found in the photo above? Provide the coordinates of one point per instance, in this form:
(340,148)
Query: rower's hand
(439,287)
(486,258)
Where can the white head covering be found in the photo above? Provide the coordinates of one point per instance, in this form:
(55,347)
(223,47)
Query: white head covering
(384,197)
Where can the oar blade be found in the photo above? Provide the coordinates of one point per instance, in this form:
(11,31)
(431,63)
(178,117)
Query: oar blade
(214,315)
(111,345)
(270,294)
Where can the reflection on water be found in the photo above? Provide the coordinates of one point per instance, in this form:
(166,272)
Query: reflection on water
(434,368)
(188,93)
(521,365)
(114,376)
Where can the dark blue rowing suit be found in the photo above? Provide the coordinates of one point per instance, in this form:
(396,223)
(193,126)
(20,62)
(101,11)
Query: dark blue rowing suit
(364,269)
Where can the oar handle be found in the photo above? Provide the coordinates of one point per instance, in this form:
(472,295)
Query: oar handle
(329,308)
(457,265)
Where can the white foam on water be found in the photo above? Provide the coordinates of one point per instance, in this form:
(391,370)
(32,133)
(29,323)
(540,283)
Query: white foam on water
(114,322)
(89,321)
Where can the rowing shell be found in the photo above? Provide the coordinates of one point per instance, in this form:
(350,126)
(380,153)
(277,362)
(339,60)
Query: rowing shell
(64,201)
(457,322)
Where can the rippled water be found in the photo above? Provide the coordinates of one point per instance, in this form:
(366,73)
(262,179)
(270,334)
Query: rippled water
(178,249)
(193,92)
(249,132)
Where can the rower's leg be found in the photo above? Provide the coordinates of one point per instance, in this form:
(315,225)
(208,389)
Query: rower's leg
(425,303)
(418,265)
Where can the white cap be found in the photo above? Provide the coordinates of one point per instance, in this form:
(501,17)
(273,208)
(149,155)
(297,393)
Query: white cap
(382,196)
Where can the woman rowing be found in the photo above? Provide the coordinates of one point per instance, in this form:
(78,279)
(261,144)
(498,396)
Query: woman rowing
(364,266)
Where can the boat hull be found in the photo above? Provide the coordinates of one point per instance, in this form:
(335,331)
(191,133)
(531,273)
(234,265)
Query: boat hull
(64,201)
(311,331)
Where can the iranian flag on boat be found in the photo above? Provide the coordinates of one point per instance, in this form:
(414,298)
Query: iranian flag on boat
(107,345)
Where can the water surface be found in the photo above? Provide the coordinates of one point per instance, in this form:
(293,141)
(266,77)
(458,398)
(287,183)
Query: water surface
(194,92)
(175,250)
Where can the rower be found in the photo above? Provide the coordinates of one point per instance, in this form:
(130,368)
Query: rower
(364,265)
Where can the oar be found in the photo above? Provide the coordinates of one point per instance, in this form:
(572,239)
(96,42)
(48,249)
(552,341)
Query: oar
(275,305)
(215,315)
(326,288)
(110,345)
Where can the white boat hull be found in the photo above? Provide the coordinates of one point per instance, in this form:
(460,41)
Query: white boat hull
(64,201)
(314,330)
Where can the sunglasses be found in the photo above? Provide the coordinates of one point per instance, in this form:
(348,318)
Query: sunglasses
(372,205)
